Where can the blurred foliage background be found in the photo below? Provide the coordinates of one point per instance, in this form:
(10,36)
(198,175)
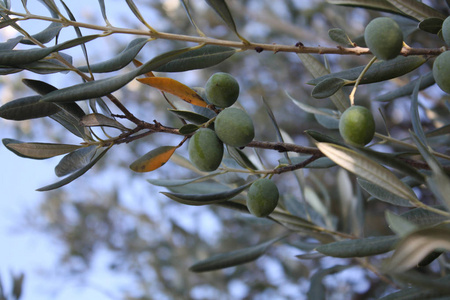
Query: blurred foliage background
(151,240)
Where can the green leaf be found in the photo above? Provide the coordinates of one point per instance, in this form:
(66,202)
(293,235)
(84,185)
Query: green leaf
(339,36)
(204,57)
(188,129)
(10,43)
(320,163)
(414,111)
(382,194)
(74,175)
(97,119)
(368,169)
(190,116)
(431,25)
(75,160)
(371,4)
(182,182)
(317,70)
(24,57)
(399,224)
(328,120)
(406,90)
(103,9)
(233,258)
(240,158)
(317,289)
(221,8)
(186,9)
(423,292)
(204,199)
(120,60)
(416,246)
(416,9)
(27,108)
(38,150)
(423,217)
(328,87)
(45,35)
(99,88)
(379,71)
(359,247)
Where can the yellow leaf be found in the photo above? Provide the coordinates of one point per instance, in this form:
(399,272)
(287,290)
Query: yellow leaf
(176,88)
(153,159)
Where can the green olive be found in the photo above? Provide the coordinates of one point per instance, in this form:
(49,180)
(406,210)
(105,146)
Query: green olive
(446,30)
(222,89)
(234,127)
(384,38)
(441,71)
(262,197)
(205,150)
(357,126)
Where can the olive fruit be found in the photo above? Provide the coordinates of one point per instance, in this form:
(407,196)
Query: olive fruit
(222,89)
(262,197)
(384,38)
(205,150)
(234,127)
(446,30)
(441,71)
(357,126)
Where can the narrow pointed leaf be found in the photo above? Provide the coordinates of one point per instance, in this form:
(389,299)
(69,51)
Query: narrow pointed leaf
(182,182)
(186,9)
(414,111)
(339,36)
(233,258)
(327,87)
(190,116)
(204,199)
(317,70)
(96,119)
(176,88)
(103,9)
(99,88)
(71,123)
(379,71)
(23,57)
(366,168)
(39,150)
(118,61)
(75,161)
(317,289)
(371,4)
(153,160)
(359,247)
(188,129)
(11,43)
(416,9)
(382,194)
(221,8)
(204,57)
(431,25)
(323,162)
(74,175)
(406,90)
(27,108)
(45,35)
(416,246)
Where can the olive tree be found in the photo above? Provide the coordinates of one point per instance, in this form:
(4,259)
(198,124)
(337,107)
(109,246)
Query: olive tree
(344,179)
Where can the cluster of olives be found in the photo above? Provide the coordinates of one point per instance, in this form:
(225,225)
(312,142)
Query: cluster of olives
(232,126)
(441,66)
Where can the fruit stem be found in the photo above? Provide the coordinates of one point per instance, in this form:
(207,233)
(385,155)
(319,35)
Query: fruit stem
(358,80)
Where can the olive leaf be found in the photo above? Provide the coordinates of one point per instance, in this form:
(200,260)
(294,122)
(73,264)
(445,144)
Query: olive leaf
(205,199)
(233,258)
(26,108)
(38,150)
(339,36)
(153,159)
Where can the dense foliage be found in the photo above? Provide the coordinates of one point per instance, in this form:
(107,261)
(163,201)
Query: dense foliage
(287,179)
